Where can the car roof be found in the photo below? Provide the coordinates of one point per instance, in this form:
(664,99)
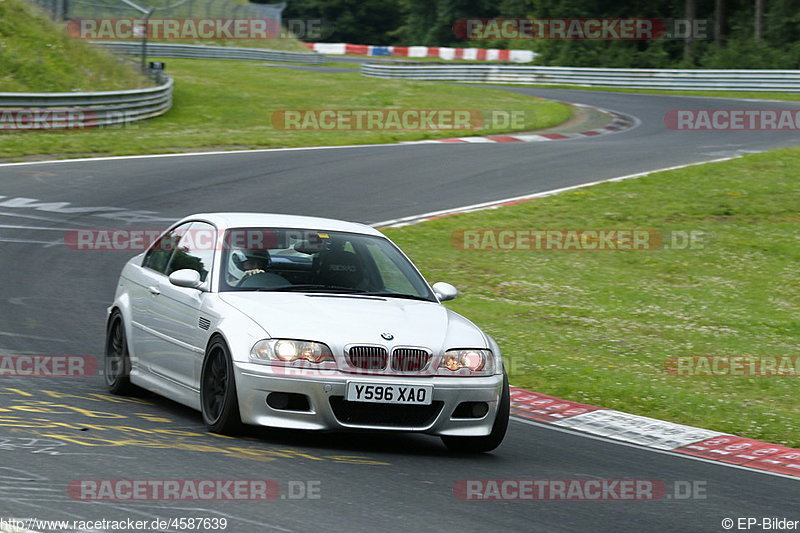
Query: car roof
(225,221)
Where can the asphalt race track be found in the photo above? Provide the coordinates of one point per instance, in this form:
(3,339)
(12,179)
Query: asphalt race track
(54,431)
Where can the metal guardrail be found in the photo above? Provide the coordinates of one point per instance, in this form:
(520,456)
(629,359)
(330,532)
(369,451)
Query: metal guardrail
(200,51)
(27,111)
(37,111)
(675,79)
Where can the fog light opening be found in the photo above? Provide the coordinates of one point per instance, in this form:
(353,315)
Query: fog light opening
(288,401)
(471,410)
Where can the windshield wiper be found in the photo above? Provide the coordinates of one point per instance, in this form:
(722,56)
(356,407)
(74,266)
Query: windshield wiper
(309,288)
(398,295)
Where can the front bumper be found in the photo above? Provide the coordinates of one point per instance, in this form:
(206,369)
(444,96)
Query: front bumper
(328,410)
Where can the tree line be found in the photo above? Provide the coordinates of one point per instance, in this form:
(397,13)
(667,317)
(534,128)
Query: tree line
(692,33)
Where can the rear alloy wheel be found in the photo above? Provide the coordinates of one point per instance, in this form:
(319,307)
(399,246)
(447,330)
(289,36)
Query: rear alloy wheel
(117,368)
(218,400)
(493,439)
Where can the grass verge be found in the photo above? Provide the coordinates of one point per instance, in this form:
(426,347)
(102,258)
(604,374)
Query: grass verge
(212,111)
(597,327)
(285,44)
(36,55)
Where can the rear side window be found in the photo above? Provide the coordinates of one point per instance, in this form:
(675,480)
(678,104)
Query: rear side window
(158,256)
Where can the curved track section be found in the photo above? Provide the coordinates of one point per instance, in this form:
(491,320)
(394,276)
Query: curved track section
(54,431)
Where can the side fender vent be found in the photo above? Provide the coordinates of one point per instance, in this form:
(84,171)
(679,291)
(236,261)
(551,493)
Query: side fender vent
(204,323)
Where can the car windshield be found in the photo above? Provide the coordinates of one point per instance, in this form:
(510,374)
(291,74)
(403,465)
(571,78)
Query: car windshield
(284,260)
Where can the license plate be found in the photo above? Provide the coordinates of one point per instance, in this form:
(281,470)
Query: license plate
(389,393)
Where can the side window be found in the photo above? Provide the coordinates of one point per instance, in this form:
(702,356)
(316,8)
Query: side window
(195,250)
(158,256)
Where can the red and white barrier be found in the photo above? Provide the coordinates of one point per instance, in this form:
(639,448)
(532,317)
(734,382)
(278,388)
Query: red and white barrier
(441,52)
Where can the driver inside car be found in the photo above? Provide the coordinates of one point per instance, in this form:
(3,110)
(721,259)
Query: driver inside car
(254,263)
(250,262)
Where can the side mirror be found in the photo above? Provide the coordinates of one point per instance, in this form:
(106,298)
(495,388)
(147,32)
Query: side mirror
(444,291)
(186,277)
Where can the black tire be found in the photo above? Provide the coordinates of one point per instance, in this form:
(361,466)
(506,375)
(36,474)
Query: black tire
(218,400)
(117,364)
(493,439)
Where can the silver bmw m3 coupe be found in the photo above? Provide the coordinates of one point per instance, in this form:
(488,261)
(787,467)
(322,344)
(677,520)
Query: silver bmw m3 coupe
(306,323)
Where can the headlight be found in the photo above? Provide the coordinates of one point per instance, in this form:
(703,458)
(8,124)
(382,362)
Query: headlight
(467,362)
(289,351)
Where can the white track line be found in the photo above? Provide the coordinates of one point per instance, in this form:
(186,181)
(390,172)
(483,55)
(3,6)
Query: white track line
(37,228)
(194,154)
(34,217)
(414,219)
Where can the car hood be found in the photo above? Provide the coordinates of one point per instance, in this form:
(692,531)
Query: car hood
(339,320)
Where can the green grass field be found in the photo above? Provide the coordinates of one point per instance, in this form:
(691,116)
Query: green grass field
(212,112)
(287,44)
(598,326)
(38,56)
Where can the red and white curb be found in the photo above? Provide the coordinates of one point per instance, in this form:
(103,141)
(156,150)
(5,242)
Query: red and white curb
(440,52)
(618,122)
(658,434)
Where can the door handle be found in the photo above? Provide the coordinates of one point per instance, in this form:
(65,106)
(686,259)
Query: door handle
(154,290)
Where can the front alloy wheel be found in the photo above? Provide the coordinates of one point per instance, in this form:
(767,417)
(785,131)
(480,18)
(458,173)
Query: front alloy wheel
(117,367)
(218,400)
